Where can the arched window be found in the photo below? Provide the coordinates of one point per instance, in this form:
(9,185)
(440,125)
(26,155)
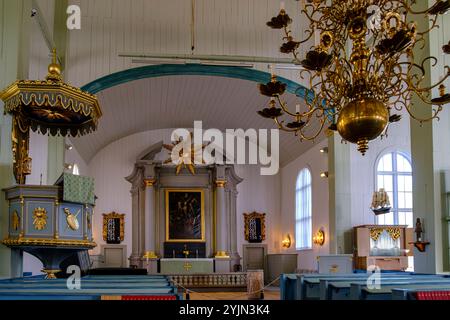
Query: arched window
(394,174)
(303,210)
(75,170)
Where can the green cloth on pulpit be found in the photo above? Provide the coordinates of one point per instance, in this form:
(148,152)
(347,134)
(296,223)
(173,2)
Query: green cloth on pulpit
(78,189)
(186,266)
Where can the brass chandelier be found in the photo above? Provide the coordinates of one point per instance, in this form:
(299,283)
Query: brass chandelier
(357,91)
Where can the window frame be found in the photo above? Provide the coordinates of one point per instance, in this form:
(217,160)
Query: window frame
(307,219)
(394,174)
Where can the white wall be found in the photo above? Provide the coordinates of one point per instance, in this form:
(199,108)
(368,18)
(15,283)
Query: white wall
(73,157)
(261,194)
(109,168)
(39,157)
(317,162)
(363,169)
(362,185)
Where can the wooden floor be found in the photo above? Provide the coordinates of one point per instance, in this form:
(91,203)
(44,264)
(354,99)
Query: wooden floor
(270,294)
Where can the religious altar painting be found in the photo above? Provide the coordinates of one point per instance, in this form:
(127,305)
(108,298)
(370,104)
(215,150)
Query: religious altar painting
(113,227)
(185,216)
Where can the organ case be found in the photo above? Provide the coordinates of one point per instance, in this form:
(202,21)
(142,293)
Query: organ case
(384,246)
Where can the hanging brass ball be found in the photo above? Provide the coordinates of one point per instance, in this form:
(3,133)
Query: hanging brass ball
(362,120)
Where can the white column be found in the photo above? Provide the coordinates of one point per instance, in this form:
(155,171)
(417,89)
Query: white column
(134,258)
(429,153)
(340,196)
(149,220)
(221,223)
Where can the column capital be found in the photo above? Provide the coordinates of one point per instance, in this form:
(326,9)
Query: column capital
(220,183)
(149,182)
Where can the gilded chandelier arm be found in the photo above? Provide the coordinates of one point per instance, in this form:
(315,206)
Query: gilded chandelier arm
(366,81)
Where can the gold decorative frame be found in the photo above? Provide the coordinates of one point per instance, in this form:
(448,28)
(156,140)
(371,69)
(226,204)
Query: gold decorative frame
(255,215)
(113,215)
(168,191)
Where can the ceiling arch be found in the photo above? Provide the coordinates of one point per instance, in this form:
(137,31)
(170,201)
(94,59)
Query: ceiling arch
(174,96)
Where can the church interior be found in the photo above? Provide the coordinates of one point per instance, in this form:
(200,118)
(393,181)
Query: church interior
(239,149)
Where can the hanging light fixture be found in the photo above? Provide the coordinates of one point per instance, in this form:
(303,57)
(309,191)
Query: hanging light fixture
(50,106)
(356,93)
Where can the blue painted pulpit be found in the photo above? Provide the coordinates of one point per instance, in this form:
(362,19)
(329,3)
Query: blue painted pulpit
(52,222)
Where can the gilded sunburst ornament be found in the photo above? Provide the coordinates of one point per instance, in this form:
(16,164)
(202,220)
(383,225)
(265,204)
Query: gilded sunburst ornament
(185,154)
(39,218)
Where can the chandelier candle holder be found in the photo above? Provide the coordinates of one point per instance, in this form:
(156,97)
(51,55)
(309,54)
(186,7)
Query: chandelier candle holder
(357,92)
(50,106)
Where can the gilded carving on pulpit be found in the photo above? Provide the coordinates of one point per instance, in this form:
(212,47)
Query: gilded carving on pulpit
(71,219)
(255,228)
(88,220)
(15,220)
(39,218)
(185,218)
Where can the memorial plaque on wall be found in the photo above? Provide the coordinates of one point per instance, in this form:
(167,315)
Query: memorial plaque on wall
(255,230)
(113,227)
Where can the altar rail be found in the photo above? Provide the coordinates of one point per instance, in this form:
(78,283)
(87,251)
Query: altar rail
(216,280)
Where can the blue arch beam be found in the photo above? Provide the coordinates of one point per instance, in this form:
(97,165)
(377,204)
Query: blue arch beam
(162,70)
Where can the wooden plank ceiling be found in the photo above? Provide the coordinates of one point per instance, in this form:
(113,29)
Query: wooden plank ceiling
(232,27)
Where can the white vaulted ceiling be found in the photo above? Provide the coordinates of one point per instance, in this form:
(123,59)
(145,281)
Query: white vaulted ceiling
(178,101)
(232,27)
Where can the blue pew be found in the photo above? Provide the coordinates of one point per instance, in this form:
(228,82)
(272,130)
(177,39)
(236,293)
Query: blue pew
(386,292)
(307,286)
(92,288)
(353,290)
(410,293)
(314,288)
(293,286)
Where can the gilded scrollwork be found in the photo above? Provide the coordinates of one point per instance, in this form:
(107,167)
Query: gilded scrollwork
(375,233)
(248,218)
(113,215)
(394,233)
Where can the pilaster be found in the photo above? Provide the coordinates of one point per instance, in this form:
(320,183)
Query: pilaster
(14,52)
